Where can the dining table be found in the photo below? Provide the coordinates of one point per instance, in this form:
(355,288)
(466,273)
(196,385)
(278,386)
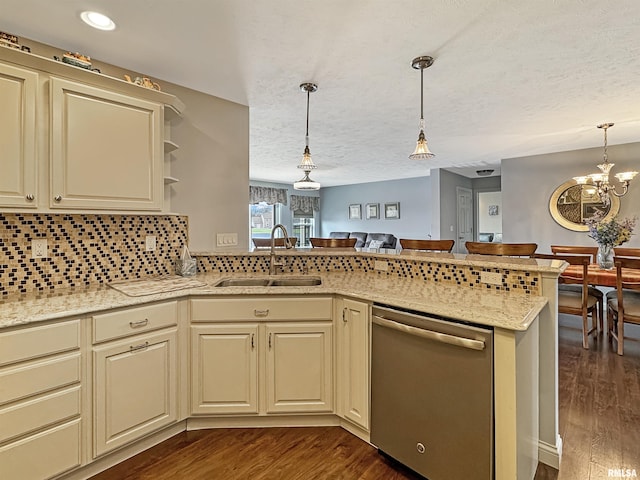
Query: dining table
(598,276)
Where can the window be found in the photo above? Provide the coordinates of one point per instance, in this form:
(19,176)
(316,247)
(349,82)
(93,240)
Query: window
(262,218)
(304,227)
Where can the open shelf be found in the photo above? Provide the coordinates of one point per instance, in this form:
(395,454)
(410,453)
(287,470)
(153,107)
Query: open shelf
(170,180)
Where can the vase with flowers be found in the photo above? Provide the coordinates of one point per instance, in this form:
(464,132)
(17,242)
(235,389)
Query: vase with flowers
(609,234)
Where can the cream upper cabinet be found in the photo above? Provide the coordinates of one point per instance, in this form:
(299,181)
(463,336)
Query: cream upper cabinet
(106,149)
(18,87)
(353,340)
(299,367)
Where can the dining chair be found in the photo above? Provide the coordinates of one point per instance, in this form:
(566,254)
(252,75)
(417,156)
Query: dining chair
(278,242)
(428,245)
(626,252)
(593,290)
(623,303)
(503,249)
(333,242)
(578,302)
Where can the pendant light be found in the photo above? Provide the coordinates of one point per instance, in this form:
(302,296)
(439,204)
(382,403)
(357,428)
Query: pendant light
(422,149)
(601,180)
(307,164)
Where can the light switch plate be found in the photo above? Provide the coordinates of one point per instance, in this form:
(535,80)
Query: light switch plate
(492,278)
(226,239)
(381,265)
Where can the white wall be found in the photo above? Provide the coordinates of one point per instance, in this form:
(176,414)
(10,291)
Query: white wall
(528,183)
(489,223)
(413,194)
(212,164)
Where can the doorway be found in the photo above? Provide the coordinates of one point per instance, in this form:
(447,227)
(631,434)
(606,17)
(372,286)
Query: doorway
(464,205)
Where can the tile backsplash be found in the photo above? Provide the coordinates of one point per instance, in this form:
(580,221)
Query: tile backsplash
(85,249)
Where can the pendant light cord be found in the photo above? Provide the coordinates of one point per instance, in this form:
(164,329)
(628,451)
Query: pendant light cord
(422,94)
(306,137)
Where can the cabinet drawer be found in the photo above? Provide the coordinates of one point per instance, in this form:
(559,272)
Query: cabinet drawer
(38,341)
(256,308)
(39,413)
(38,377)
(43,455)
(132,321)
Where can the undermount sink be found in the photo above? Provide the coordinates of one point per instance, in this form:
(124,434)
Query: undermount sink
(270,282)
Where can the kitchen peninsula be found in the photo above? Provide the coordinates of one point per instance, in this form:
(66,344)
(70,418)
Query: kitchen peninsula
(516,299)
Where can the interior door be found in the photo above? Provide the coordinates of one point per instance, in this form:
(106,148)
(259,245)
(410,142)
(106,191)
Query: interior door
(464,202)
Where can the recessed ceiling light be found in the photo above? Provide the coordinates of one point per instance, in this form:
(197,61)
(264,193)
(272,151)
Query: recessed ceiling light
(97,20)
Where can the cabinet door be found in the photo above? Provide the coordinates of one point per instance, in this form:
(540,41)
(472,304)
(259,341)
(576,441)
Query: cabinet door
(135,389)
(224,368)
(353,362)
(107,149)
(18,88)
(299,375)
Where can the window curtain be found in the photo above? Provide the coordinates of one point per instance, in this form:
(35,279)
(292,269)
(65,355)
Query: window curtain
(305,204)
(268,195)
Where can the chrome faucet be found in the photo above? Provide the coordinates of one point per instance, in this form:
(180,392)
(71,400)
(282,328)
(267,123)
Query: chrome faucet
(273,265)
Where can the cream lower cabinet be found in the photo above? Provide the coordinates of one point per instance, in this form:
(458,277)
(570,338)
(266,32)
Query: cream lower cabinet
(244,363)
(41,414)
(135,379)
(224,368)
(353,337)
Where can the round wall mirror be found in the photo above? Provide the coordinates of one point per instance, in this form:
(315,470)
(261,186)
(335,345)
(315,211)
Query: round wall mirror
(571,204)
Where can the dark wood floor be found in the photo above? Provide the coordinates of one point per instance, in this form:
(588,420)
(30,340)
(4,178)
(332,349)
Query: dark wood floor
(599,423)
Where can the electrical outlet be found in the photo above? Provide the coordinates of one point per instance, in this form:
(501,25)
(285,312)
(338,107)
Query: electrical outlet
(150,243)
(492,278)
(39,248)
(380,265)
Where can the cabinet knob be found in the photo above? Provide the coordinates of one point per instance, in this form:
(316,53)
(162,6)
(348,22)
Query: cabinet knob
(30,197)
(58,198)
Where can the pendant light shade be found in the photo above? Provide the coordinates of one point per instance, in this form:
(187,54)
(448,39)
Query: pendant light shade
(306,165)
(422,149)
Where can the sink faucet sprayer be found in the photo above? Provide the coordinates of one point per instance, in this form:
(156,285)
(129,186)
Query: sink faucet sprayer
(273,265)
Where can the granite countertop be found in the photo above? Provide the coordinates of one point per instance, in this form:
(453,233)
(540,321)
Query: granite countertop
(477,305)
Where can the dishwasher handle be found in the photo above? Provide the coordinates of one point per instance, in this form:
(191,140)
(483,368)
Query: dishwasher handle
(430,334)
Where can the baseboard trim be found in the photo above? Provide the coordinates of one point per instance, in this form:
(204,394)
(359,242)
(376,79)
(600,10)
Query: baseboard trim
(550,454)
(112,459)
(198,423)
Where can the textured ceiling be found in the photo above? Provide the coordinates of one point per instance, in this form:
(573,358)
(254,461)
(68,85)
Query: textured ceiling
(510,77)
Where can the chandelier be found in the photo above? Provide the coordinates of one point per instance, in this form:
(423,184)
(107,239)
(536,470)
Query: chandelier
(306,165)
(422,149)
(601,180)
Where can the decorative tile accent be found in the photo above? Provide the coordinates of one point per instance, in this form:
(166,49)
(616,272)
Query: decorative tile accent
(85,249)
(517,281)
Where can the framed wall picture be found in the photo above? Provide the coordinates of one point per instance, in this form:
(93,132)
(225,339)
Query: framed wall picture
(355,211)
(372,210)
(392,210)
(493,210)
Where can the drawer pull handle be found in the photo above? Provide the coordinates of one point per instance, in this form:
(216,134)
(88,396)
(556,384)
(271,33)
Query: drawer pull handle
(344,314)
(142,346)
(261,313)
(269,341)
(252,344)
(139,323)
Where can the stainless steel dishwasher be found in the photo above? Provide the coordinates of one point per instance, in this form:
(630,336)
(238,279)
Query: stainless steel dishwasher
(432,394)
